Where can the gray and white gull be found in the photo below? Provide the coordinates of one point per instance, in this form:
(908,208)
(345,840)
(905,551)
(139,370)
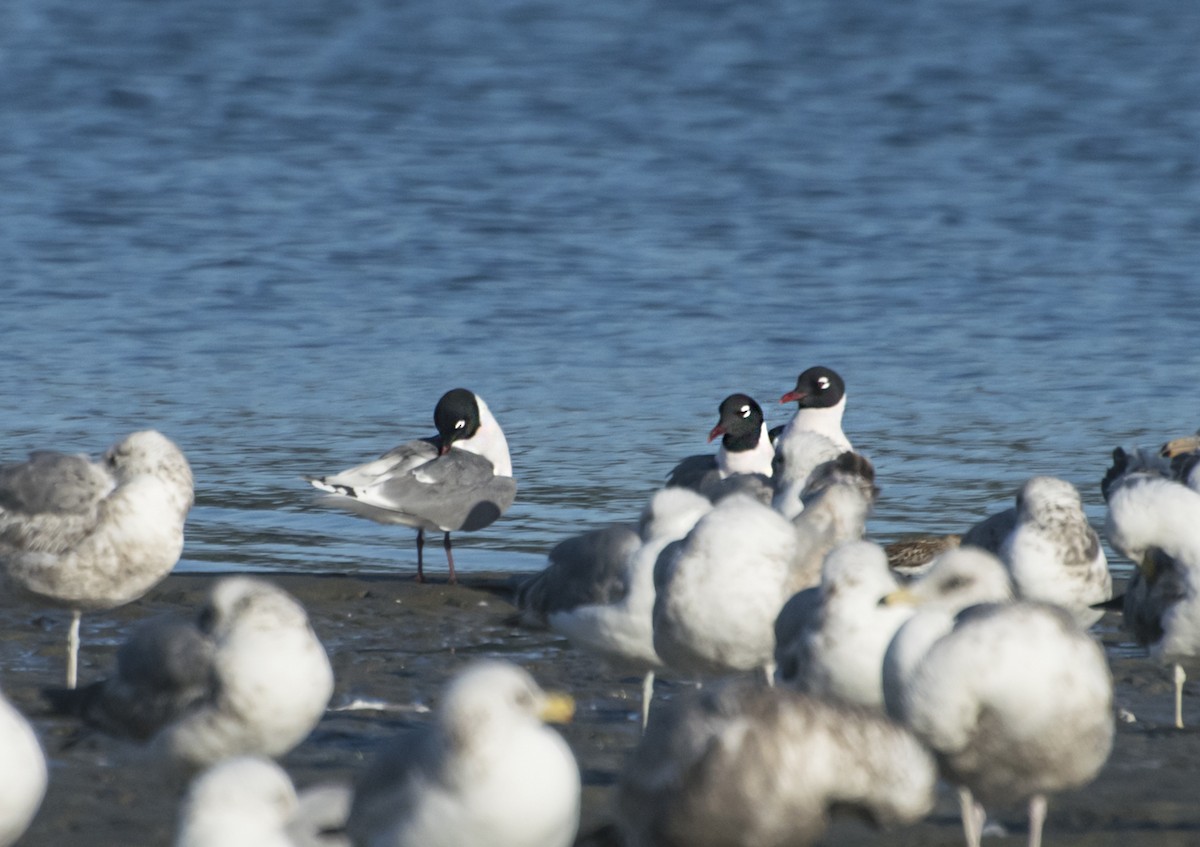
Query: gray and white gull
(598,587)
(247,675)
(486,772)
(1155,521)
(1014,699)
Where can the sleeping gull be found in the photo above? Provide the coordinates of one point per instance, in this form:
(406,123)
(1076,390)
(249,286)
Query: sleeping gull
(248,675)
(457,480)
(22,774)
(94,535)
(1156,523)
(249,801)
(745,447)
(738,764)
(720,589)
(1048,546)
(486,772)
(820,397)
(1014,699)
(598,588)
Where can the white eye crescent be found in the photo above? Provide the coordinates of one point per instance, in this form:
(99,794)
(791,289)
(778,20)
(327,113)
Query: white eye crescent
(823,383)
(745,410)
(460,424)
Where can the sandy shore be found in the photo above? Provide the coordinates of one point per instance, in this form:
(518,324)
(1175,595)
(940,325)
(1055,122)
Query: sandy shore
(394,641)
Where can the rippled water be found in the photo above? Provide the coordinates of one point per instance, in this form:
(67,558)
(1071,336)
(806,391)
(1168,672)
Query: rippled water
(278,231)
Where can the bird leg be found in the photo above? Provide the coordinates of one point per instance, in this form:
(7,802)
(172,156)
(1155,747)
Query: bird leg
(1180,678)
(973,816)
(647,696)
(1037,817)
(450,559)
(73,649)
(420,559)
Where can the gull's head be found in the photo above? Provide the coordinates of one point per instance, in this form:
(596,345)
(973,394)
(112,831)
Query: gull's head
(243,601)
(958,578)
(494,697)
(237,796)
(150,453)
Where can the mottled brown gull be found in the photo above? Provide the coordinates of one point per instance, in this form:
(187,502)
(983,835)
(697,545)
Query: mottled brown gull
(90,535)
(739,765)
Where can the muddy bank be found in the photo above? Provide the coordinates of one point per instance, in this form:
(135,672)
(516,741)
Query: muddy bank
(394,641)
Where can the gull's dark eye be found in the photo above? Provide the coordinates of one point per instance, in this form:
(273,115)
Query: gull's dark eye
(822,382)
(460,424)
(745,410)
(955,583)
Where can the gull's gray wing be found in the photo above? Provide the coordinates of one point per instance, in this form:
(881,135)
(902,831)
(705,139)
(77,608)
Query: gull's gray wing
(991,531)
(457,491)
(387,790)
(163,670)
(693,472)
(583,570)
(51,501)
(396,462)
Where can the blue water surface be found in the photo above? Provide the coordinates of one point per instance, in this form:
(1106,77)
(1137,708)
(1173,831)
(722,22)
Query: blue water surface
(278,231)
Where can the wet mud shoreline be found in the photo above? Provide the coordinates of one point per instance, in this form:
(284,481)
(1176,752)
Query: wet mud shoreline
(393,643)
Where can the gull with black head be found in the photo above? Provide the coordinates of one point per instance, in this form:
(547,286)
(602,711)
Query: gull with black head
(457,480)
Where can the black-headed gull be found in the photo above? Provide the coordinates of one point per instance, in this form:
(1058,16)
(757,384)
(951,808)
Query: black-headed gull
(737,763)
(487,771)
(745,447)
(90,535)
(457,480)
(820,398)
(247,675)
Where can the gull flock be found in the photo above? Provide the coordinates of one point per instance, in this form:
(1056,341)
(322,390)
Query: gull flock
(830,673)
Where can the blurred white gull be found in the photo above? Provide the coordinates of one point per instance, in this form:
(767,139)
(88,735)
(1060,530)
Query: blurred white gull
(598,587)
(739,764)
(247,676)
(820,397)
(457,480)
(22,774)
(1015,700)
(486,772)
(1156,523)
(745,448)
(249,801)
(720,589)
(90,535)
(830,639)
